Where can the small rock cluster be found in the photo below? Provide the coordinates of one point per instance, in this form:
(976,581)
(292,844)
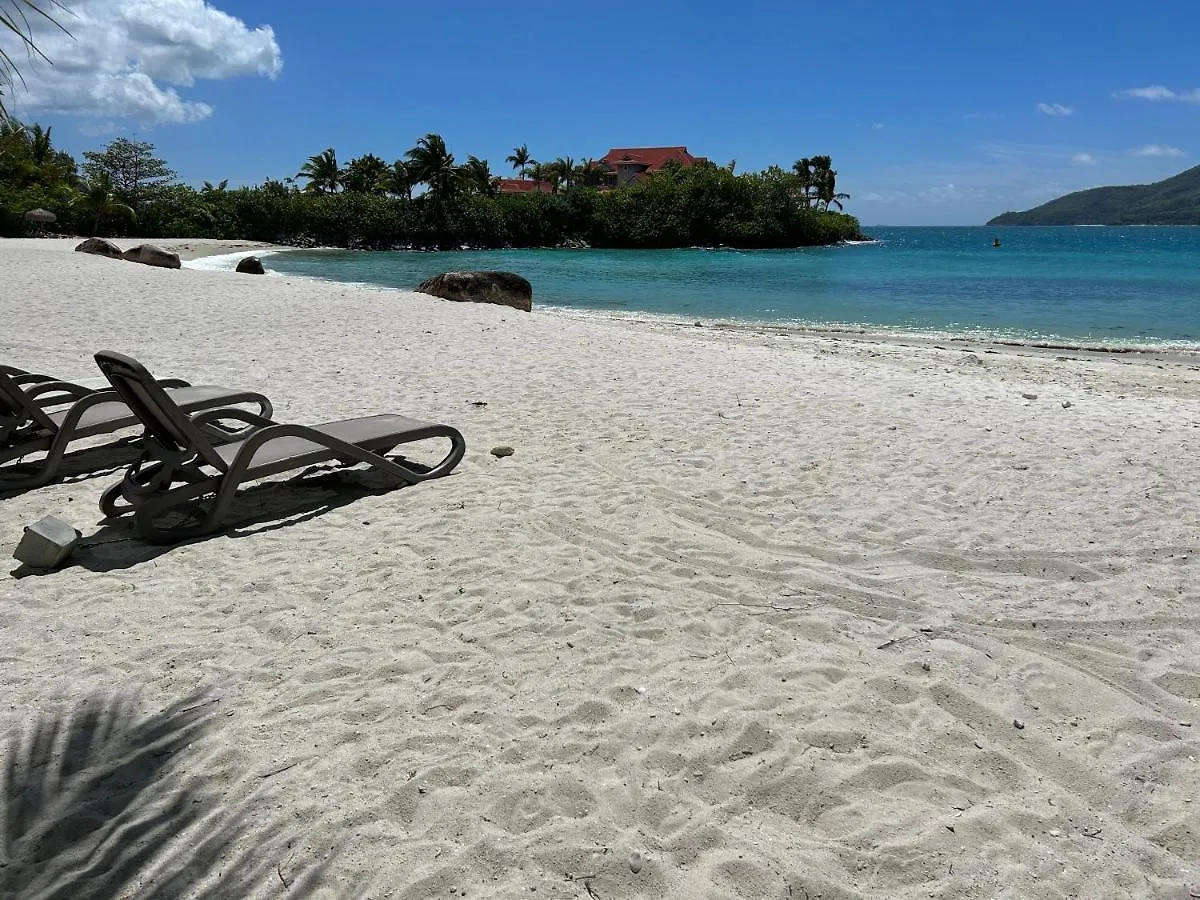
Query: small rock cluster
(146,254)
(149,255)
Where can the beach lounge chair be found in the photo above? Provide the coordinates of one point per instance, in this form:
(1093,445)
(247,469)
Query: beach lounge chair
(39,413)
(22,377)
(181,470)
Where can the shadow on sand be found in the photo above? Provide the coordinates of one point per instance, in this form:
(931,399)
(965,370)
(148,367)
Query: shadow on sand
(267,506)
(77,467)
(97,804)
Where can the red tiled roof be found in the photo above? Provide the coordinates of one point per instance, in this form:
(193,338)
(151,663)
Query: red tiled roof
(523,186)
(654,157)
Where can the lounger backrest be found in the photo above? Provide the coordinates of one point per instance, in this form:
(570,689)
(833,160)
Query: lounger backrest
(15,402)
(169,425)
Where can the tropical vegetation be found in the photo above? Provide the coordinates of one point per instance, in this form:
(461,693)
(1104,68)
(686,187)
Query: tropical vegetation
(424,199)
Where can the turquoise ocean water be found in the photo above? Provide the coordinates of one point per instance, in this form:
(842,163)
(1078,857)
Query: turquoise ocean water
(1086,286)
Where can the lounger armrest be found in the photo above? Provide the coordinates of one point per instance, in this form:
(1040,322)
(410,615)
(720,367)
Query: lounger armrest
(239,415)
(173,383)
(74,391)
(30,378)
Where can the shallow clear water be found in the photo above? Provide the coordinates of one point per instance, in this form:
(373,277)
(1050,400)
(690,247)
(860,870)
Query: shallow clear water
(1097,286)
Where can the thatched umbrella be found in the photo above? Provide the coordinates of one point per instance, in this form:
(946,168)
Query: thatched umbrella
(41,216)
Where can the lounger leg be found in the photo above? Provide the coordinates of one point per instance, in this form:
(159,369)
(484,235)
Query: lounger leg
(46,468)
(213,504)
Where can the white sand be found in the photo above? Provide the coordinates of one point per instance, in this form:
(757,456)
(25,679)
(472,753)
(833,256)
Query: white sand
(761,608)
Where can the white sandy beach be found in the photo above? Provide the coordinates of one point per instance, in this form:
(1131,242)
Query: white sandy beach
(765,609)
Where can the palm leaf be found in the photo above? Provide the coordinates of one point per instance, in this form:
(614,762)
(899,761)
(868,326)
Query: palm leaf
(13,18)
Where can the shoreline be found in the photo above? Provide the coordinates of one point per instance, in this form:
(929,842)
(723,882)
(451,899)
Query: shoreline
(200,250)
(1175,350)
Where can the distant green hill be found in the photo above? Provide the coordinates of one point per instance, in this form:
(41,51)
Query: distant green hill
(1175,201)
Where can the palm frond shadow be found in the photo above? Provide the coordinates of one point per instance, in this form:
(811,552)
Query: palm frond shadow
(95,805)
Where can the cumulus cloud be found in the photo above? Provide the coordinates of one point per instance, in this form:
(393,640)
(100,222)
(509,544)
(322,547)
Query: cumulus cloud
(1083,159)
(1158,150)
(124,59)
(1159,92)
(877,126)
(1055,109)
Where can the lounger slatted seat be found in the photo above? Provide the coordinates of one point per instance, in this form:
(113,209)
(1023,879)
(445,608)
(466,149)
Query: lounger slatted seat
(41,414)
(180,469)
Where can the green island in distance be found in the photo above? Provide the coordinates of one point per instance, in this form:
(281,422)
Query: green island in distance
(1173,201)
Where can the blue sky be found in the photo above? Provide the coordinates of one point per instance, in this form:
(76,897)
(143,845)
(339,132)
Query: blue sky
(935,112)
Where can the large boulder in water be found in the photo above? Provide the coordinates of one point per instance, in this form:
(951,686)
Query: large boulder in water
(149,255)
(251,265)
(503,288)
(100,247)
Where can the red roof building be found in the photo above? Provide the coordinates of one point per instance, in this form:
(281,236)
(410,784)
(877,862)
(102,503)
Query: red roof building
(627,164)
(523,186)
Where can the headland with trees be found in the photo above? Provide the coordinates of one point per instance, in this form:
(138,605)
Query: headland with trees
(425,199)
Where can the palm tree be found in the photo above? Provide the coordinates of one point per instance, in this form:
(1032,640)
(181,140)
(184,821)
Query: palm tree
(803,168)
(13,19)
(40,147)
(539,171)
(322,172)
(399,180)
(432,164)
(98,198)
(521,159)
(366,175)
(835,199)
(590,173)
(477,176)
(564,170)
(824,183)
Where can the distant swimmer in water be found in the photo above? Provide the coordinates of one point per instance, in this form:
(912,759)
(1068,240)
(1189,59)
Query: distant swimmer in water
(996,242)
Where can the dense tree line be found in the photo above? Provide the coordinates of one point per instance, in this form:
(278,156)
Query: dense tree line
(424,200)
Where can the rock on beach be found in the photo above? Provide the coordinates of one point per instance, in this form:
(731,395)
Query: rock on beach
(503,288)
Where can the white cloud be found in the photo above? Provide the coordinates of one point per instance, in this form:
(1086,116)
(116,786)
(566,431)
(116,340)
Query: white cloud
(1158,150)
(1083,159)
(951,193)
(1055,109)
(125,59)
(1158,92)
(877,126)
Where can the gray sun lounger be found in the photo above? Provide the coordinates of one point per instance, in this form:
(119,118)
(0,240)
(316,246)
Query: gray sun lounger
(41,414)
(180,469)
